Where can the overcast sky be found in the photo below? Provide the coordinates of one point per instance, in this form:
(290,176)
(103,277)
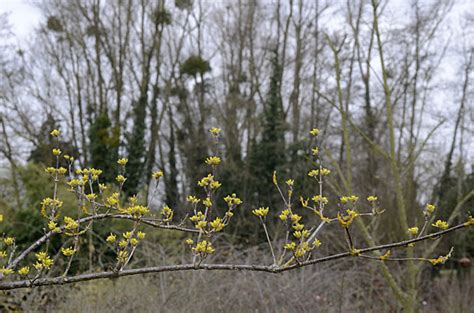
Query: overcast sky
(24,17)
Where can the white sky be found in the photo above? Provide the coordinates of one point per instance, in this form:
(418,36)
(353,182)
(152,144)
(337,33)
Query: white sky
(23,16)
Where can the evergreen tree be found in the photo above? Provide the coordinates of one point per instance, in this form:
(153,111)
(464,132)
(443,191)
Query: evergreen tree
(136,149)
(104,142)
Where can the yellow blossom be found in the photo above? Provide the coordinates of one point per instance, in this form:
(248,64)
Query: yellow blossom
(297,226)
(441,224)
(290,182)
(167,213)
(314,132)
(68,251)
(204,247)
(111,238)
(122,256)
(290,246)
(275,181)
(232,200)
(193,199)
(315,151)
(217,224)
(215,184)
(371,198)
(141,235)
(3,254)
(317,243)
(55,133)
(213,160)
(189,241)
(441,259)
(413,230)
(44,261)
(122,161)
(207,202)
(6,271)
(157,175)
(260,212)
(295,218)
(215,131)
(134,242)
(9,241)
(320,199)
(122,243)
(284,214)
(53,226)
(113,199)
(120,178)
(56,152)
(24,270)
(201,224)
(71,224)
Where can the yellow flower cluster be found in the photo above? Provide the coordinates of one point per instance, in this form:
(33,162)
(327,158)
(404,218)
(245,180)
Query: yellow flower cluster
(441,259)
(209,182)
(413,230)
(316,173)
(25,270)
(346,199)
(157,175)
(135,210)
(68,251)
(215,131)
(48,203)
(8,241)
(347,220)
(199,216)
(207,202)
(87,173)
(120,179)
(232,200)
(213,160)
(53,226)
(122,161)
(204,246)
(167,213)
(122,256)
(52,170)
(320,199)
(429,209)
(111,238)
(6,271)
(113,200)
(260,212)
(55,133)
(314,132)
(44,261)
(441,224)
(56,152)
(217,224)
(470,221)
(193,199)
(301,233)
(372,198)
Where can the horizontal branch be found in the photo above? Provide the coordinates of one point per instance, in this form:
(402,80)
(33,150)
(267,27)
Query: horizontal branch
(219,267)
(50,234)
